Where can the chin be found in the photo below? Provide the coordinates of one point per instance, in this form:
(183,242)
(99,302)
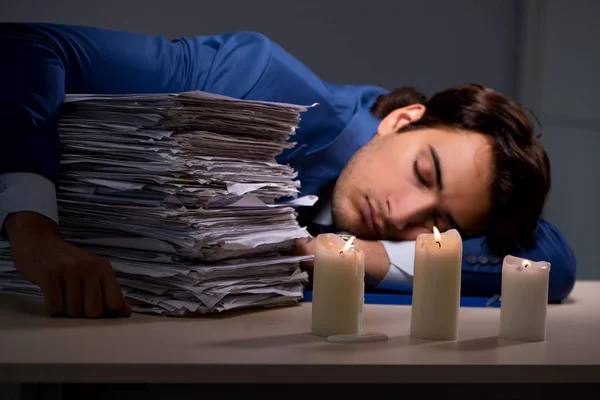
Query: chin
(346,215)
(342,216)
(349,220)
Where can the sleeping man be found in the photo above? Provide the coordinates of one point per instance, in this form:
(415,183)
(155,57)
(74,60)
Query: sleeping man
(387,165)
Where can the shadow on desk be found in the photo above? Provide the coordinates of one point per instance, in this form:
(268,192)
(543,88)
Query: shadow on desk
(302,338)
(568,300)
(405,299)
(479,344)
(238,312)
(261,342)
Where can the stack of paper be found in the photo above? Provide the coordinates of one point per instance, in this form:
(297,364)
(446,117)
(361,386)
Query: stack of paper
(183,194)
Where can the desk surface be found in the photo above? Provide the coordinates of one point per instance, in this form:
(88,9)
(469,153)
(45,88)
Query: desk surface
(273,345)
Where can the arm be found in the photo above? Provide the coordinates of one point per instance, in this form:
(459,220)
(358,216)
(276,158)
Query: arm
(42,62)
(22,191)
(380,273)
(39,66)
(481,270)
(377,261)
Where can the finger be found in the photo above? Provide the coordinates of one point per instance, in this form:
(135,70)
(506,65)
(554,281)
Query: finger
(307,266)
(112,295)
(125,310)
(73,297)
(92,298)
(53,297)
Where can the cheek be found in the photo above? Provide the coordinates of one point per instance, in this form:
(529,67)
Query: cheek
(390,174)
(379,169)
(368,160)
(362,166)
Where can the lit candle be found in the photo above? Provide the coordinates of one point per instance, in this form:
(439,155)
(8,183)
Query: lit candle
(524,299)
(338,287)
(436,285)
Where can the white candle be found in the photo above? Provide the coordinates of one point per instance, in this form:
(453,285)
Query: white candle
(338,287)
(524,299)
(436,286)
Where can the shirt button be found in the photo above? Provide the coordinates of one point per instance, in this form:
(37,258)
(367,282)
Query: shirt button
(494,259)
(471,259)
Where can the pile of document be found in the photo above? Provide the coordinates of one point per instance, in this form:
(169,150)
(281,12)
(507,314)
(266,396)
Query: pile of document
(183,194)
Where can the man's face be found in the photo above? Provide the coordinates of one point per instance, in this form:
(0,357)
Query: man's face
(400,185)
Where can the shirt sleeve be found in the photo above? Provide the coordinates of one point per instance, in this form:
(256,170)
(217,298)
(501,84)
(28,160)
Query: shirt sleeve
(402,257)
(22,191)
(32,78)
(43,62)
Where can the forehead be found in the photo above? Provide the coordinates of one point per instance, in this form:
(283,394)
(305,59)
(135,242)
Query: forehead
(467,164)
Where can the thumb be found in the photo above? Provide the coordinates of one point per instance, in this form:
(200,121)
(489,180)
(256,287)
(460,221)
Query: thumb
(125,310)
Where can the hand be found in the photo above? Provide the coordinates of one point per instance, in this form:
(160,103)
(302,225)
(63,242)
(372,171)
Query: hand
(75,283)
(305,247)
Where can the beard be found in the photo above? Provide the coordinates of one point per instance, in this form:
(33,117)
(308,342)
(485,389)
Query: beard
(349,193)
(343,210)
(339,209)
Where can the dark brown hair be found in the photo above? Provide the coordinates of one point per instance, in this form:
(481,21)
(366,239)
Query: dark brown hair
(521,178)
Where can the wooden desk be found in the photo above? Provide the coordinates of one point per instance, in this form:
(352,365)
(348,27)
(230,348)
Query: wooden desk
(274,346)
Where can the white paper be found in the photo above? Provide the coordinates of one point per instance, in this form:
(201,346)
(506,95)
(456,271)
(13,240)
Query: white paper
(183,194)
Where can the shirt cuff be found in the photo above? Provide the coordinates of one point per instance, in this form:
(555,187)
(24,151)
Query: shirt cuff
(402,261)
(24,191)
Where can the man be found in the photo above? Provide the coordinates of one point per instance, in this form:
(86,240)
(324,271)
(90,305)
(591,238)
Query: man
(395,163)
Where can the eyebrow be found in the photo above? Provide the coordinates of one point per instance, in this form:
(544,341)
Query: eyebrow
(440,184)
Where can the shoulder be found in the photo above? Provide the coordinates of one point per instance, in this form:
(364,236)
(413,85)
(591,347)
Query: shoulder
(240,60)
(238,43)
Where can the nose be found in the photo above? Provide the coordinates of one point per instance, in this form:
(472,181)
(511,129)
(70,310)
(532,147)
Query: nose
(410,208)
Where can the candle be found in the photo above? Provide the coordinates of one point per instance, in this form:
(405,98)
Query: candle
(436,285)
(338,287)
(524,299)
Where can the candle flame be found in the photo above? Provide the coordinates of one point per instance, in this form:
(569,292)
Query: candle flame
(437,236)
(526,264)
(348,244)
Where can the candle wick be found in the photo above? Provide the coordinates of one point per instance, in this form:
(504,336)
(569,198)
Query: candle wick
(349,244)
(439,244)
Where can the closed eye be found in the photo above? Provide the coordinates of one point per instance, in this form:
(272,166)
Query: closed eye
(418,174)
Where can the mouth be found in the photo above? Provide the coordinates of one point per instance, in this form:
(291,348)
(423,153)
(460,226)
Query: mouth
(369,215)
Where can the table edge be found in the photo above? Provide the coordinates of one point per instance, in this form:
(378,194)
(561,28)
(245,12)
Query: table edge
(294,373)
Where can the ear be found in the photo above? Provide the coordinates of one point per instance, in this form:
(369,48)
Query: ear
(399,118)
